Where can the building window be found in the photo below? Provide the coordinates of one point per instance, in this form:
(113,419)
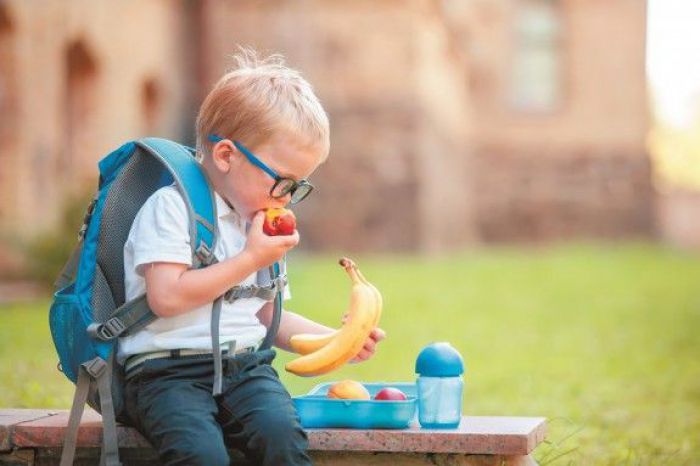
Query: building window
(8,116)
(8,85)
(78,152)
(150,105)
(537,75)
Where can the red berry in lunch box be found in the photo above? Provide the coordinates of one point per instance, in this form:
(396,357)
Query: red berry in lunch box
(390,393)
(279,222)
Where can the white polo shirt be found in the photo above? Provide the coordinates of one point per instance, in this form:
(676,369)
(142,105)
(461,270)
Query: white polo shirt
(160,233)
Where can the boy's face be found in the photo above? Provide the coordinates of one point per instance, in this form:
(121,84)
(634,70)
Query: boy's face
(246,186)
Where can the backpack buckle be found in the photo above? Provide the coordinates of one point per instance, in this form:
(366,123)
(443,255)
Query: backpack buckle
(107,330)
(87,218)
(204,254)
(95,367)
(238,292)
(277,285)
(266,292)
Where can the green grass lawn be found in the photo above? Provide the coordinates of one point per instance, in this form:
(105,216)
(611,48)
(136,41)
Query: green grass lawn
(602,340)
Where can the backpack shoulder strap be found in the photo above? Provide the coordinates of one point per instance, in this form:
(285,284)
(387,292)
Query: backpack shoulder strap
(193,185)
(195,188)
(275,273)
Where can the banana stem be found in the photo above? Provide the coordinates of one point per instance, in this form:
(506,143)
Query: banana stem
(362,277)
(346,262)
(351,269)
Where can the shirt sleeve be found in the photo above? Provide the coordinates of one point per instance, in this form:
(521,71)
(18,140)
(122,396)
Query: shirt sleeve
(160,232)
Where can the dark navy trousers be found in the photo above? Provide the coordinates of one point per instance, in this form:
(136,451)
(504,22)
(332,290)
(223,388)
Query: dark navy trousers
(170,402)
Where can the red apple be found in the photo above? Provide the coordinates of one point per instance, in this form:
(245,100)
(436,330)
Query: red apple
(390,393)
(279,222)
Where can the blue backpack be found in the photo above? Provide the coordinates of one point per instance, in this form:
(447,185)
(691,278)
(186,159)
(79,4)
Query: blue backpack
(89,311)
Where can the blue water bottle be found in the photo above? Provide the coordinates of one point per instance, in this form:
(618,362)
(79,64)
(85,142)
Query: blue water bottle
(439,367)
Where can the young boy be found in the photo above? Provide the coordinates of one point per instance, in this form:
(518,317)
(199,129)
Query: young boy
(261,132)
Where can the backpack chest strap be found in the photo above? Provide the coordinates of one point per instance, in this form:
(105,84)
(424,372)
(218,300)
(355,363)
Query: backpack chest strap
(266,292)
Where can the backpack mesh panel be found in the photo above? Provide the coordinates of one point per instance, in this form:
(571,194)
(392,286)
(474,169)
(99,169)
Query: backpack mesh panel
(142,175)
(102,300)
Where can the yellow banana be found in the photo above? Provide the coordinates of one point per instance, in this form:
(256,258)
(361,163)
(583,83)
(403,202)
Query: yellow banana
(349,340)
(377,297)
(305,343)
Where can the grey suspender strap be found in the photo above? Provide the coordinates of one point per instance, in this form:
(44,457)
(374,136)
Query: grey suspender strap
(98,372)
(277,315)
(216,347)
(76,413)
(272,291)
(110,444)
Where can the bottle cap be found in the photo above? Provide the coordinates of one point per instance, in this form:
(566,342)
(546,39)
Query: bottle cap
(439,360)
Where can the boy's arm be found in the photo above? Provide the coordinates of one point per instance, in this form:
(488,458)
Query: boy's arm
(173,289)
(293,324)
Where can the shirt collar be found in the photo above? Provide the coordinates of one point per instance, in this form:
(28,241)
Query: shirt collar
(223,209)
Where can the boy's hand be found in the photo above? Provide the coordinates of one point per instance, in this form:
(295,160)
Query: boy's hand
(370,347)
(266,250)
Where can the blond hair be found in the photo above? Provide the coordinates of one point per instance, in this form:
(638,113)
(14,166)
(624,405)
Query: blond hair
(259,98)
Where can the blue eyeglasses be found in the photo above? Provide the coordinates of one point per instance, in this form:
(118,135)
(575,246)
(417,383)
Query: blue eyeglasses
(283,186)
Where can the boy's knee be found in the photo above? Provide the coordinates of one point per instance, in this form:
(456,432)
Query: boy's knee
(281,440)
(196,453)
(281,433)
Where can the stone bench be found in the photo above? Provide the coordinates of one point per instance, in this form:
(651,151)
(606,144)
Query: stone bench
(34,437)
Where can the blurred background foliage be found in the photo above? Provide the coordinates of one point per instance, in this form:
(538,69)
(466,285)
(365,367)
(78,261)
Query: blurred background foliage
(48,251)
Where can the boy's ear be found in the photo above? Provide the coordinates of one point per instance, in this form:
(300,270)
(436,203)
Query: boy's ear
(222,154)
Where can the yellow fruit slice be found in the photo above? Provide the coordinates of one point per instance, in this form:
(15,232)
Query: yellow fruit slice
(305,343)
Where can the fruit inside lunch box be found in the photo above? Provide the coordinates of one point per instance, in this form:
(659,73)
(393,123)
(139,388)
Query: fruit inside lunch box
(350,404)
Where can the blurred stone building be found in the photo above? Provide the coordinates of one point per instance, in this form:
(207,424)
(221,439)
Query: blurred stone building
(453,122)
(561,116)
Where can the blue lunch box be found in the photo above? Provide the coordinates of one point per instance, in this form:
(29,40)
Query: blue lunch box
(316,410)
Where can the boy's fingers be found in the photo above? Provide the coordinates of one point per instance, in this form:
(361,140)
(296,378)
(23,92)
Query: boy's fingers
(378,334)
(364,355)
(291,240)
(286,240)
